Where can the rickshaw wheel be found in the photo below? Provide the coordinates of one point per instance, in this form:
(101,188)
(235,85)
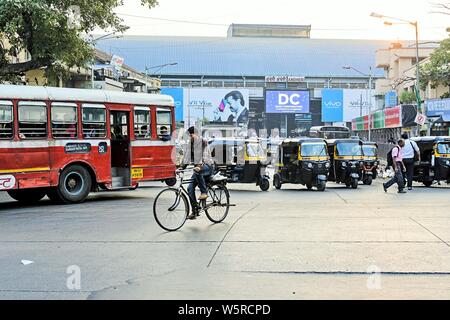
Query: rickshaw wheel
(264,184)
(171,182)
(309,186)
(355,184)
(428,184)
(277,182)
(368,181)
(321,186)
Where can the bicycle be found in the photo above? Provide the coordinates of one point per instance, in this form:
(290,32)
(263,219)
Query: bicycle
(172,206)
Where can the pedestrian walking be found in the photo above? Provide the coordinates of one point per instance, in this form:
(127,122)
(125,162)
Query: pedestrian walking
(411,154)
(399,168)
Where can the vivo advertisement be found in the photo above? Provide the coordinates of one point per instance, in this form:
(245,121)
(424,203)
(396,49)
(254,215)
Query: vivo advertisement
(287,102)
(178,95)
(344,105)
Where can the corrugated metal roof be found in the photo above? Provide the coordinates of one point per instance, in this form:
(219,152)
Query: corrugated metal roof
(207,56)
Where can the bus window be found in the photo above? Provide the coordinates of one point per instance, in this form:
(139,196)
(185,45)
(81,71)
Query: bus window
(94,121)
(142,123)
(164,122)
(6,120)
(64,120)
(32,120)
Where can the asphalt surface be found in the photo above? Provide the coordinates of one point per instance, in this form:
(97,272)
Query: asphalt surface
(287,244)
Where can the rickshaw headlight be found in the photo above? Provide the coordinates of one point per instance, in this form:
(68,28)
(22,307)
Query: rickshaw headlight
(310,165)
(327,165)
(376,163)
(344,164)
(447,163)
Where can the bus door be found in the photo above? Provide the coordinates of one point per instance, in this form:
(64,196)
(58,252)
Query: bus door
(120,148)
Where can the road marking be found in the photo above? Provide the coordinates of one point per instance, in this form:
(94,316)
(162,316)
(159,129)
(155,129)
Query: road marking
(226,234)
(448,245)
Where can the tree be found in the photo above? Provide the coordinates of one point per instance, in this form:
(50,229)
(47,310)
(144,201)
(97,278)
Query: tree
(442,8)
(407,97)
(437,71)
(54,32)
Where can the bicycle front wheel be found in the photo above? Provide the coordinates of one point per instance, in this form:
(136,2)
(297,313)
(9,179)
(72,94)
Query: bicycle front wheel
(170,209)
(218,203)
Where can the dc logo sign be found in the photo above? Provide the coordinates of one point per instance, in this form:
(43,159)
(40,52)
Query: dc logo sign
(7,182)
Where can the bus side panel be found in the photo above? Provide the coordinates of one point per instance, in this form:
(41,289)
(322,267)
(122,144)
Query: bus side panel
(27,162)
(156,161)
(98,158)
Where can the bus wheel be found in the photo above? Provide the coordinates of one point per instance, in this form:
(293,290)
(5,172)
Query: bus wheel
(27,196)
(74,184)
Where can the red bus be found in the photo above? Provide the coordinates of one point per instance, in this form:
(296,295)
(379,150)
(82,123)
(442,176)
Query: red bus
(66,143)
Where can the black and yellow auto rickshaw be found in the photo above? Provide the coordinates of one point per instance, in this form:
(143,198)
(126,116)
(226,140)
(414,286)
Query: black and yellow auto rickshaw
(434,162)
(347,160)
(371,163)
(302,161)
(241,160)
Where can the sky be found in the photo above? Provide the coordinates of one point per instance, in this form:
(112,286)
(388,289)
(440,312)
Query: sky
(341,19)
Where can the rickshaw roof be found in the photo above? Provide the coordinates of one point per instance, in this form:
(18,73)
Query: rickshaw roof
(233,141)
(336,141)
(431,139)
(302,140)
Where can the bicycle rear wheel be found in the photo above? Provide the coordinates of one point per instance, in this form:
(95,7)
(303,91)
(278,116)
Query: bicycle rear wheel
(170,209)
(217,204)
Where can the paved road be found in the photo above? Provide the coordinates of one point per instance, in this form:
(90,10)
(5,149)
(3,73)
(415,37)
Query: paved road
(288,244)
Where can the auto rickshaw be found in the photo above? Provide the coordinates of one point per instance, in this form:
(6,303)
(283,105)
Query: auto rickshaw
(371,163)
(241,160)
(302,161)
(434,162)
(347,160)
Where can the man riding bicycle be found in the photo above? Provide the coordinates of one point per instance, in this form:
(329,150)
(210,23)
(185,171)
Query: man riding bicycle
(197,152)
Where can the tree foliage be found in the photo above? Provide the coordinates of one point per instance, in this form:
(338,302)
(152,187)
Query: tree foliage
(437,71)
(407,97)
(54,31)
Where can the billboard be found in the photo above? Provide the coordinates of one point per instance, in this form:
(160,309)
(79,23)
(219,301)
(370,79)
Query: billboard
(343,105)
(217,106)
(437,107)
(391,99)
(393,117)
(178,96)
(332,105)
(287,101)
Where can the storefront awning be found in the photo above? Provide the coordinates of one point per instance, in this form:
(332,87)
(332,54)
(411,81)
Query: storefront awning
(446,117)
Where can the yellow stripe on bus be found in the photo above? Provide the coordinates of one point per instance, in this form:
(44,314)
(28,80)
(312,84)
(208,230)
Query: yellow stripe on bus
(25,170)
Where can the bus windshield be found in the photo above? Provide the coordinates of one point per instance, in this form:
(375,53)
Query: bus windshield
(444,148)
(349,149)
(370,151)
(314,150)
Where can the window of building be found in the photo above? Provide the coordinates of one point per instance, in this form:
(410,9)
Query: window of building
(64,120)
(142,123)
(6,120)
(94,121)
(164,122)
(32,120)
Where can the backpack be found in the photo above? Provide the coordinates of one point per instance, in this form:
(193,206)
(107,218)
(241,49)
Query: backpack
(390,160)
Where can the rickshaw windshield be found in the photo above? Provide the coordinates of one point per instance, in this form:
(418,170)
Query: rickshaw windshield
(370,151)
(349,149)
(255,150)
(313,150)
(444,148)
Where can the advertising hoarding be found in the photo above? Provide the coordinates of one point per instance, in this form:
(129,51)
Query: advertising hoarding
(178,96)
(437,107)
(393,117)
(287,101)
(217,106)
(343,105)
(391,99)
(332,105)
(378,120)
